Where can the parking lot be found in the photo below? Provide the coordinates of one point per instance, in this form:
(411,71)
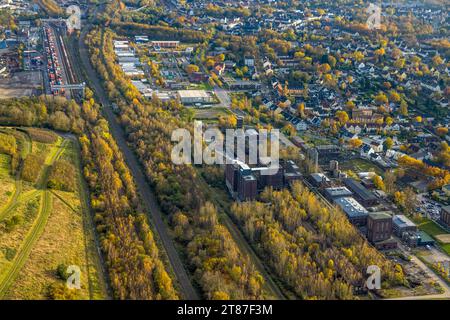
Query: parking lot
(428,207)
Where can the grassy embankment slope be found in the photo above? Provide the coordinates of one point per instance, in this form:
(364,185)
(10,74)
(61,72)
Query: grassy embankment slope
(42,228)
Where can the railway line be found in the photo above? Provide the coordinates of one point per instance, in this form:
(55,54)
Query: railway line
(59,70)
(80,51)
(65,59)
(56,75)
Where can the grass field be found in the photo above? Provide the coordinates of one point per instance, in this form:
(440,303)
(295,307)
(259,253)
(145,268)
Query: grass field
(40,269)
(434,230)
(360,165)
(444,238)
(446,248)
(210,113)
(5,165)
(7,182)
(41,229)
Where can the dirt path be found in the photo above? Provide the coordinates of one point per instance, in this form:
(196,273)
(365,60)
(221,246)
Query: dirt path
(38,225)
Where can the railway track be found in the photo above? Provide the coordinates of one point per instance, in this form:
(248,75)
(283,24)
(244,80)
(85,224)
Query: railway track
(148,198)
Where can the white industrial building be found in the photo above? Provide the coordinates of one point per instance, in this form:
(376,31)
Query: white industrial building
(194,96)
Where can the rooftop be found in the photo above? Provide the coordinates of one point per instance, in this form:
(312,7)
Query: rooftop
(336,192)
(249,177)
(193,94)
(319,177)
(351,207)
(381,215)
(424,237)
(359,189)
(402,221)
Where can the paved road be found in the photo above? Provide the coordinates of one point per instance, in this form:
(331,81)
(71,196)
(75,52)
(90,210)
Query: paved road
(148,198)
(225,101)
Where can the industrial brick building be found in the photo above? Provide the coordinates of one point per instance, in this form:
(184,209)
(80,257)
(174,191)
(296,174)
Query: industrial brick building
(244,183)
(445,216)
(379,230)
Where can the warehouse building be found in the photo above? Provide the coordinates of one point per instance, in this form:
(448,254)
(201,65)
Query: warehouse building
(194,96)
(319,180)
(247,187)
(244,183)
(379,230)
(355,212)
(445,216)
(165,44)
(240,181)
(336,192)
(361,193)
(291,172)
(402,224)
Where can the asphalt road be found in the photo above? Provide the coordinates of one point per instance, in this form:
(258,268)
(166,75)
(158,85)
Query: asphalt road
(225,101)
(148,198)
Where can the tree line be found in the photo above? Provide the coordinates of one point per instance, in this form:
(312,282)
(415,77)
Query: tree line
(8,146)
(314,250)
(219,267)
(134,264)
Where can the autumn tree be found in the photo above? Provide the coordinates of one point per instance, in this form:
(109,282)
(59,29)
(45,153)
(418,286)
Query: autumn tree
(403,110)
(192,68)
(388,143)
(355,143)
(378,182)
(342,117)
(441,131)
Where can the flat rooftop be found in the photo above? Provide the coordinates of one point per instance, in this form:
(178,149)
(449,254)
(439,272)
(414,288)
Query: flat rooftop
(359,189)
(380,215)
(351,207)
(193,94)
(319,177)
(336,192)
(402,221)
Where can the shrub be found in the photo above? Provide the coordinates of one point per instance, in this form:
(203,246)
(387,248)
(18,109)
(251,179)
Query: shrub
(32,167)
(61,271)
(41,135)
(62,176)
